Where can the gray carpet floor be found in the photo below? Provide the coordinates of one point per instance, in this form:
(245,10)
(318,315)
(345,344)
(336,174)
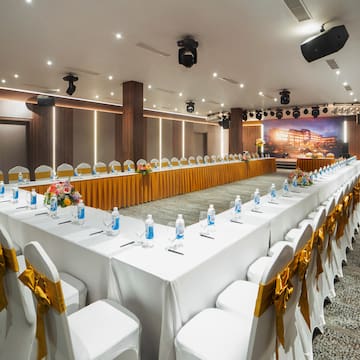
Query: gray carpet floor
(341,338)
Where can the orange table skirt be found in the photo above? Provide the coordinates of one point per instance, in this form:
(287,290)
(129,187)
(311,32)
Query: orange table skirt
(309,164)
(130,190)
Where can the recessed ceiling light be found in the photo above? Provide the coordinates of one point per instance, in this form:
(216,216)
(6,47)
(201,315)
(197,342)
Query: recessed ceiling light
(180,94)
(28,1)
(112,93)
(203,100)
(345,83)
(215,74)
(96,96)
(110,77)
(154,106)
(355,100)
(118,35)
(351,93)
(16,76)
(275,99)
(242,85)
(3,81)
(337,72)
(144,99)
(261,93)
(222,104)
(197,113)
(176,109)
(149,86)
(57,90)
(49,63)
(209,112)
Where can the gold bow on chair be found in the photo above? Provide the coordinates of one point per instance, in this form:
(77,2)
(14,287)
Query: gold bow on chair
(340,223)
(8,261)
(356,192)
(330,227)
(47,294)
(318,241)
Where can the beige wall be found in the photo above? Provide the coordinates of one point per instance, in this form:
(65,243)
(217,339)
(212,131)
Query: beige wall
(14,109)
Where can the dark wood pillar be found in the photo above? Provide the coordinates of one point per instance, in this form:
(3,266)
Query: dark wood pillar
(64,136)
(235,132)
(131,134)
(177,138)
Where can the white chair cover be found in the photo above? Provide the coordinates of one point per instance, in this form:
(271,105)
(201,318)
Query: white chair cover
(154,163)
(64,170)
(101,167)
(165,163)
(115,166)
(83,169)
(207,159)
(43,172)
(14,172)
(184,161)
(129,166)
(192,160)
(199,159)
(141,162)
(175,161)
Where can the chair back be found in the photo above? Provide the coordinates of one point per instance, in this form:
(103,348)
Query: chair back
(319,218)
(154,163)
(330,206)
(226,157)
(263,330)
(101,167)
(192,160)
(213,158)
(231,157)
(129,166)
(175,161)
(141,162)
(207,159)
(116,165)
(1,176)
(65,170)
(20,310)
(83,169)
(330,156)
(165,163)
(13,173)
(43,172)
(199,159)
(240,157)
(236,157)
(184,161)
(57,334)
(219,158)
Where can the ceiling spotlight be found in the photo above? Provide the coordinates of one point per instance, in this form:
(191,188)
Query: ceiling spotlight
(325,110)
(215,74)
(16,76)
(272,113)
(190,106)
(112,93)
(49,63)
(279,114)
(284,97)
(261,93)
(275,99)
(149,86)
(202,100)
(187,52)
(258,114)
(110,77)
(244,116)
(242,85)
(118,36)
(337,72)
(70,78)
(222,104)
(315,111)
(306,111)
(3,81)
(296,112)
(180,94)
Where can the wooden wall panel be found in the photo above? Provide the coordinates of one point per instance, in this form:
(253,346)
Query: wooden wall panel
(354,138)
(64,136)
(249,136)
(177,139)
(236,132)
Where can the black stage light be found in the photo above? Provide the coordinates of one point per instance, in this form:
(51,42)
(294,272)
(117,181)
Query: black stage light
(258,115)
(244,116)
(315,111)
(251,114)
(306,111)
(187,52)
(71,78)
(325,110)
(190,106)
(272,113)
(296,112)
(279,114)
(265,113)
(287,112)
(284,97)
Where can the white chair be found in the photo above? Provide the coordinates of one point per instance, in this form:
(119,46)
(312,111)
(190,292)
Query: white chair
(231,157)
(129,166)
(175,161)
(184,161)
(213,158)
(192,160)
(226,157)
(207,159)
(83,169)
(165,163)
(215,334)
(115,166)
(236,157)
(199,159)
(43,172)
(154,163)
(141,162)
(102,330)
(100,167)
(13,174)
(219,158)
(1,176)
(64,170)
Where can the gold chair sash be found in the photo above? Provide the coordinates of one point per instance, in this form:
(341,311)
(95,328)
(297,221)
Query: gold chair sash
(356,192)
(14,176)
(101,169)
(42,175)
(8,261)
(47,294)
(339,220)
(330,227)
(318,241)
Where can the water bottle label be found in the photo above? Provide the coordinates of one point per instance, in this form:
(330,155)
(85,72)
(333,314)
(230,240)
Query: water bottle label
(33,199)
(2,189)
(179,232)
(237,207)
(273,193)
(257,199)
(116,223)
(15,194)
(81,213)
(295,182)
(149,233)
(53,205)
(286,187)
(211,219)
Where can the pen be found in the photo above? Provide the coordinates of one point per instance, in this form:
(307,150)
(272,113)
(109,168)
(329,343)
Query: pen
(96,232)
(175,252)
(129,243)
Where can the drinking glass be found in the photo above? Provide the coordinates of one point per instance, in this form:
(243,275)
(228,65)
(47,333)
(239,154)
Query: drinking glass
(232,208)
(171,235)
(203,221)
(107,221)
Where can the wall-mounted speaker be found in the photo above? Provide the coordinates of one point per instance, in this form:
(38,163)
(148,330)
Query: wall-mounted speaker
(358,119)
(43,100)
(326,43)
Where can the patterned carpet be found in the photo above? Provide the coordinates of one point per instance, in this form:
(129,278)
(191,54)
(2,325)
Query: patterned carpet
(341,338)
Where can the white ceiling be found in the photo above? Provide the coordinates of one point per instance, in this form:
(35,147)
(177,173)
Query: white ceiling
(255,42)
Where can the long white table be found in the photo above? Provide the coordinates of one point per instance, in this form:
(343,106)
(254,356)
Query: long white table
(162,288)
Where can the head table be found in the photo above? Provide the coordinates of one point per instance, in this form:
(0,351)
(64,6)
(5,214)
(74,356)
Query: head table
(163,288)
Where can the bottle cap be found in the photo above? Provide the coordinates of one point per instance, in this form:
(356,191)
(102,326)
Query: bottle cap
(211,206)
(180,216)
(115,209)
(149,216)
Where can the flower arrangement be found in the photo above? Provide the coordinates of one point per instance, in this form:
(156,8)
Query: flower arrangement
(259,142)
(144,169)
(302,178)
(246,156)
(65,193)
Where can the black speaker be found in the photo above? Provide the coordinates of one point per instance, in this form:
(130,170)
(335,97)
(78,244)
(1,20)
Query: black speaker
(358,119)
(327,42)
(44,100)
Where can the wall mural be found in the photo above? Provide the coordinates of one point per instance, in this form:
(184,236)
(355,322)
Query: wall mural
(295,138)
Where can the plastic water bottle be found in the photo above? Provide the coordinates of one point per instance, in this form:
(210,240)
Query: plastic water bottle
(211,218)
(53,174)
(257,199)
(15,194)
(115,225)
(112,169)
(294,182)
(273,194)
(81,212)
(285,188)
(237,207)
(33,199)
(2,189)
(179,230)
(320,171)
(20,177)
(149,231)
(76,172)
(94,170)
(129,168)
(53,206)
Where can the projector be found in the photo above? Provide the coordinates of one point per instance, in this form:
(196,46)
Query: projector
(326,43)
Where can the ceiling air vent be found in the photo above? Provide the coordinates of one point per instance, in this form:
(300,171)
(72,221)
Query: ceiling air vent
(231,81)
(347,87)
(332,64)
(76,70)
(165,91)
(152,49)
(297,7)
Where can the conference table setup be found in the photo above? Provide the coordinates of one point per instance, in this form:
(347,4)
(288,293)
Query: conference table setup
(164,283)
